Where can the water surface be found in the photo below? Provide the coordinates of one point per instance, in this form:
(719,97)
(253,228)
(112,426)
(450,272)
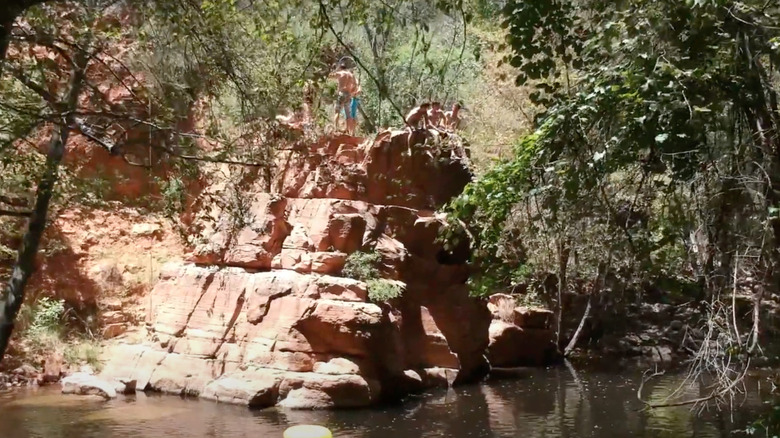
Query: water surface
(555,403)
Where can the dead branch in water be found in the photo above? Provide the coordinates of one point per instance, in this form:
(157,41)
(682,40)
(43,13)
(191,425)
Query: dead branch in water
(598,284)
(714,395)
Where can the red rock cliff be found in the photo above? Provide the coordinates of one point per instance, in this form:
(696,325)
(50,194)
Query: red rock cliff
(260,314)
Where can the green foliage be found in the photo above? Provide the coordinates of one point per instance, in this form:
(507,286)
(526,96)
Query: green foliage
(646,140)
(42,325)
(251,60)
(47,316)
(83,351)
(362,265)
(412,51)
(173,196)
(6,253)
(380,291)
(43,332)
(488,202)
(236,206)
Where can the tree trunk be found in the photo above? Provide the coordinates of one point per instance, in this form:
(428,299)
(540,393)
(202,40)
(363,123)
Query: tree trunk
(595,290)
(573,341)
(8,15)
(13,295)
(563,263)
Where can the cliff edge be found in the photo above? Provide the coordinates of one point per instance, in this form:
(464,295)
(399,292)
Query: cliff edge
(261,315)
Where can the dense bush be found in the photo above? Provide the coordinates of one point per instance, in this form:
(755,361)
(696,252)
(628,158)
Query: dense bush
(380,290)
(362,265)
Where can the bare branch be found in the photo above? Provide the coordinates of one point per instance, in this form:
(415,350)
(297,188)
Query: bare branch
(13,202)
(13,213)
(696,401)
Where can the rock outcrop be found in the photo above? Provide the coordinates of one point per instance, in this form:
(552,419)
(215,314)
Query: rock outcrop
(87,384)
(261,315)
(519,335)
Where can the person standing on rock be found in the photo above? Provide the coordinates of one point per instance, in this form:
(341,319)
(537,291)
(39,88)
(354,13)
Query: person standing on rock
(347,88)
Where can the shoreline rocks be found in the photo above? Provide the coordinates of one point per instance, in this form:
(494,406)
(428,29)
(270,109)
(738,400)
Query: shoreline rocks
(87,384)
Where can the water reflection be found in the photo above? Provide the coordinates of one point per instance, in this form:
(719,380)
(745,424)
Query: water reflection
(549,403)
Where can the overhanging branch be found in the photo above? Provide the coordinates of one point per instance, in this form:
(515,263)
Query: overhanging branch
(13,213)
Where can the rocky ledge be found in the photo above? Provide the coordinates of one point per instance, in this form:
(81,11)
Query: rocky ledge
(261,315)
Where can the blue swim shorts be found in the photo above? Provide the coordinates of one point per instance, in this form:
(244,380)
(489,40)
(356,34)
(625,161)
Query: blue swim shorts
(353,109)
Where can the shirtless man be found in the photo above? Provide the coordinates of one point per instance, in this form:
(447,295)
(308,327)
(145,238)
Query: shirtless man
(452,118)
(417,115)
(347,88)
(436,115)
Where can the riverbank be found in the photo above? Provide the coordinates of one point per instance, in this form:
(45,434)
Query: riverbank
(556,402)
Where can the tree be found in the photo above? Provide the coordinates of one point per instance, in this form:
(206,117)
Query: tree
(13,294)
(63,72)
(657,150)
(8,15)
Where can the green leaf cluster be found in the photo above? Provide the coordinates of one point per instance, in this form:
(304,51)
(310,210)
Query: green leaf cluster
(654,115)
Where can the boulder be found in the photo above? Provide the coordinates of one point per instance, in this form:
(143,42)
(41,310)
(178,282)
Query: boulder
(512,346)
(338,365)
(338,288)
(325,391)
(114,330)
(345,232)
(532,317)
(330,263)
(125,385)
(439,377)
(86,384)
(114,316)
(26,371)
(52,368)
(146,230)
(255,389)
(256,245)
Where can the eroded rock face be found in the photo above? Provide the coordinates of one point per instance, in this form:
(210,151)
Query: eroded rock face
(519,335)
(261,316)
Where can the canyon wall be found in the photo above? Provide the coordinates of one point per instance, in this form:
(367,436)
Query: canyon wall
(260,313)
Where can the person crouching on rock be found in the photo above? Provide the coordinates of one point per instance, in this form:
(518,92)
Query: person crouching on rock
(416,117)
(436,115)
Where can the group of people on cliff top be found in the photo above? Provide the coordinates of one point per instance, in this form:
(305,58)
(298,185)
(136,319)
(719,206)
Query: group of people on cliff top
(428,115)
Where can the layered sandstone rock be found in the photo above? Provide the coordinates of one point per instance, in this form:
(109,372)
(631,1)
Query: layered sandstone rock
(519,335)
(260,314)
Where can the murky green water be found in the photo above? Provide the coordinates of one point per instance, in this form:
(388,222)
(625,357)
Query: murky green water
(549,403)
